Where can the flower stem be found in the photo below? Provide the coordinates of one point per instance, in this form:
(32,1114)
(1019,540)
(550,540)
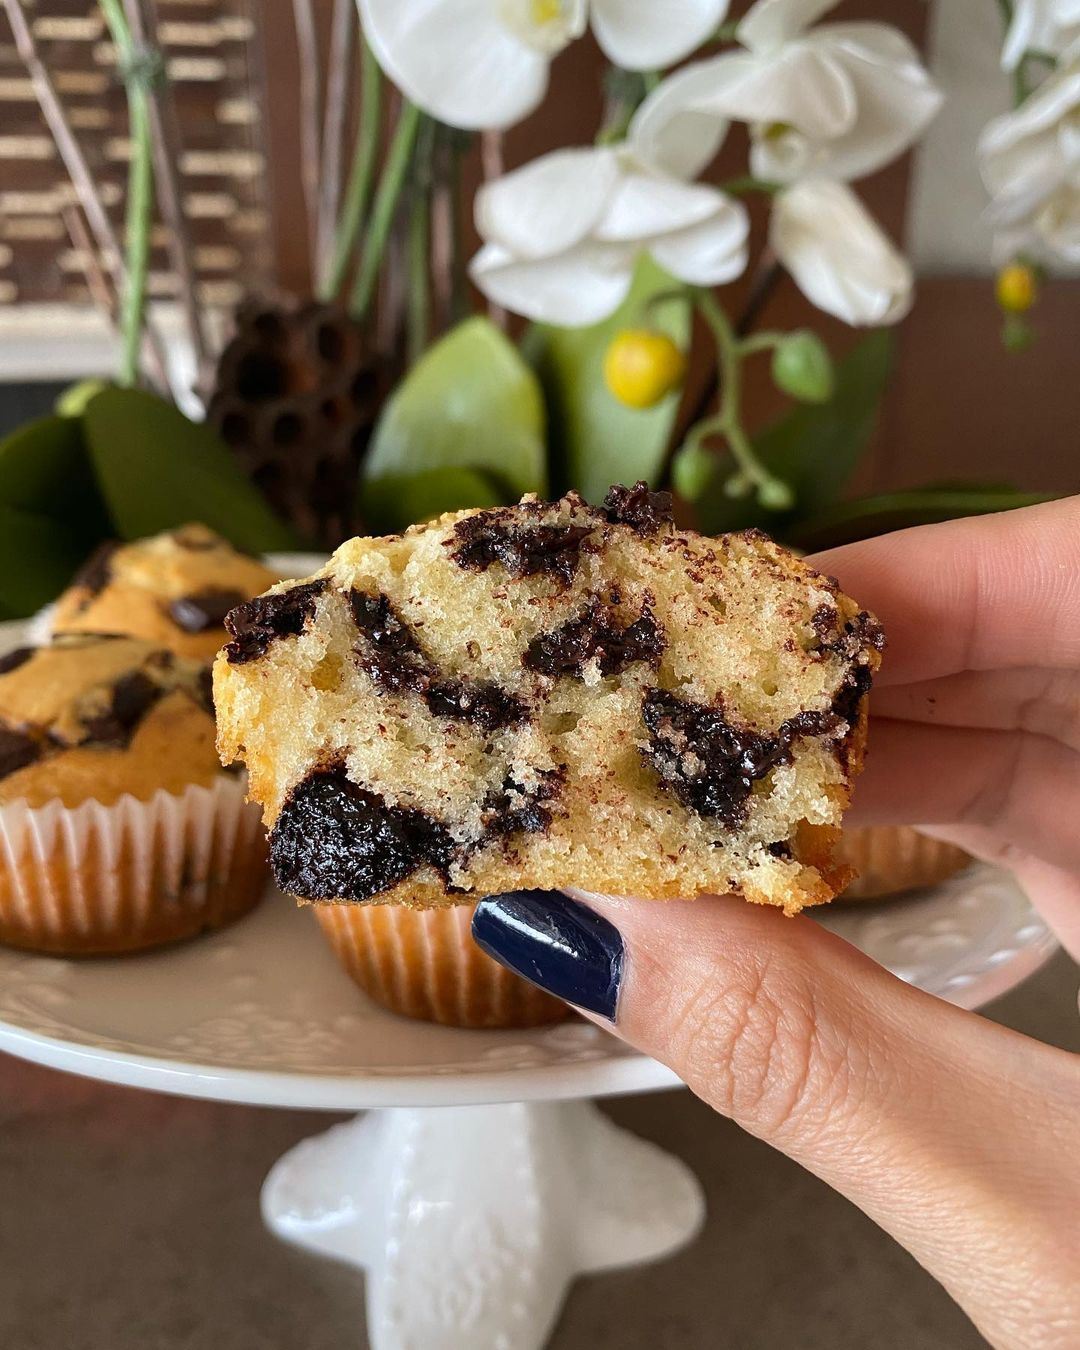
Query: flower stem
(747,183)
(384,207)
(727,421)
(418,261)
(361,174)
(140,190)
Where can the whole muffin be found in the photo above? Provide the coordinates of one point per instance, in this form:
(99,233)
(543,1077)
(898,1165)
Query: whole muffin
(118,830)
(172,589)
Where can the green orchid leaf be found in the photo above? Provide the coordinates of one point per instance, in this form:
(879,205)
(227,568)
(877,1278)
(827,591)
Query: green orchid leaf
(158,469)
(595,440)
(470,403)
(399,500)
(38,557)
(45,470)
(814,448)
(866,517)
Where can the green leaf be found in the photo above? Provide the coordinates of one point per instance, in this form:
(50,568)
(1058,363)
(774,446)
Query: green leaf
(595,440)
(400,500)
(45,470)
(158,469)
(470,403)
(38,558)
(813,448)
(866,517)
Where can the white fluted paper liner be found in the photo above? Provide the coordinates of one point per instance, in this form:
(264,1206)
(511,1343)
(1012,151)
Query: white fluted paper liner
(891,859)
(134,874)
(423,963)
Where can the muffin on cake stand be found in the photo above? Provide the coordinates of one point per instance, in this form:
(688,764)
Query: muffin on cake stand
(470,1220)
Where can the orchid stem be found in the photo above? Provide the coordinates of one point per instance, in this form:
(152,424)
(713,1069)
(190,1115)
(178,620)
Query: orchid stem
(140,190)
(418,262)
(727,421)
(747,183)
(361,174)
(384,207)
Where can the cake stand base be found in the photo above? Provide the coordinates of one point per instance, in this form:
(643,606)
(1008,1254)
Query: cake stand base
(470,1222)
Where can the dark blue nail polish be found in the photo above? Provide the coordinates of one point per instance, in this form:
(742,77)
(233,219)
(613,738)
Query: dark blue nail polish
(555,943)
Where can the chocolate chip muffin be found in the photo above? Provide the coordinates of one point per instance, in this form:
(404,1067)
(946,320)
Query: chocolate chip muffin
(172,589)
(118,829)
(548,695)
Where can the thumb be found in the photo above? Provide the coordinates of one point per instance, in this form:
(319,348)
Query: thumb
(915,1110)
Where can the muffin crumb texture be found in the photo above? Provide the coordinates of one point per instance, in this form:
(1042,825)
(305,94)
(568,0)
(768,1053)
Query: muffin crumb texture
(550,695)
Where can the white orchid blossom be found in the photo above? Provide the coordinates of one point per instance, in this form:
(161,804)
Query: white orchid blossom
(1030,162)
(839,100)
(484,63)
(838,255)
(562,235)
(1048,26)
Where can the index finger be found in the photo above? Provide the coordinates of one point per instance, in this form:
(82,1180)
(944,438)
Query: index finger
(992,592)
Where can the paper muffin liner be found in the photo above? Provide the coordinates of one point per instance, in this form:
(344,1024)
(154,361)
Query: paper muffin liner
(96,879)
(423,963)
(895,858)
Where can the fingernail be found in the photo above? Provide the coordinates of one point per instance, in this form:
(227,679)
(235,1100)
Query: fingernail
(555,943)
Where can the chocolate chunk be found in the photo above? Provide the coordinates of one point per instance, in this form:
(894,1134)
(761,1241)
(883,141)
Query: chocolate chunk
(96,573)
(256,624)
(596,634)
(780,849)
(644,511)
(532,550)
(516,809)
(204,610)
(335,840)
(395,662)
(131,699)
(17,750)
(709,763)
(853,639)
(13,660)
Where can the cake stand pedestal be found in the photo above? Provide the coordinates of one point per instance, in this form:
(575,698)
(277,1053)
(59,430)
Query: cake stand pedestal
(472,1221)
(481,1181)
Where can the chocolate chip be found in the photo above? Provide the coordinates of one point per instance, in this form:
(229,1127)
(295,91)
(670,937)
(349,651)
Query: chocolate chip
(131,699)
(709,763)
(644,511)
(780,849)
(533,550)
(96,573)
(516,809)
(13,660)
(596,635)
(395,662)
(204,610)
(256,624)
(17,750)
(335,840)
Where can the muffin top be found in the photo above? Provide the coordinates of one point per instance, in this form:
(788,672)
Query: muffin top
(94,716)
(172,589)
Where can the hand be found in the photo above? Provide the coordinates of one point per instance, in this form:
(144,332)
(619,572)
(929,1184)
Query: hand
(957,1136)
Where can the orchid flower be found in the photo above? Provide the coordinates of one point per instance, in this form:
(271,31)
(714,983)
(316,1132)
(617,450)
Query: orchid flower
(1048,26)
(839,100)
(1030,162)
(839,256)
(563,233)
(484,63)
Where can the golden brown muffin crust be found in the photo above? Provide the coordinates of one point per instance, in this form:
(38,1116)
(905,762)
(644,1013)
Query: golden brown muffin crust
(172,589)
(97,717)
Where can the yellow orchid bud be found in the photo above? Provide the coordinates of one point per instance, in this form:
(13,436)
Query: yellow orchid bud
(1017,287)
(641,367)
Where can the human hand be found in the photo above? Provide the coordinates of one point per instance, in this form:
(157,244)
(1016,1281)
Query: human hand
(956,1135)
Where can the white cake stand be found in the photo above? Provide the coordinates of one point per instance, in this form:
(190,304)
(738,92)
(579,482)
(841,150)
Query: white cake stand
(469,1220)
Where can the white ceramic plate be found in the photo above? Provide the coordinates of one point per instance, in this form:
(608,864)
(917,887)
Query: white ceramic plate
(262,1012)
